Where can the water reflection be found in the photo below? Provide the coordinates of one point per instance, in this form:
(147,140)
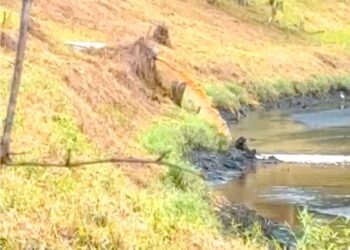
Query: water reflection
(277,191)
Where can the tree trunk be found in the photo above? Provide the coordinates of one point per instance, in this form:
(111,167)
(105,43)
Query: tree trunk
(16,80)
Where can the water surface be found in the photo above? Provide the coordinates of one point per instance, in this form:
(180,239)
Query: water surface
(305,132)
(277,191)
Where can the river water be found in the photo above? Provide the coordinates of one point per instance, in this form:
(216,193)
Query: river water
(277,191)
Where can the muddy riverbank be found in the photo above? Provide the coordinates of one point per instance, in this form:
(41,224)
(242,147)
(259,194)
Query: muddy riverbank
(220,167)
(303,102)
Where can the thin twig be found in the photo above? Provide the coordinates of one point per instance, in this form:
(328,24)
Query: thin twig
(162,156)
(68,158)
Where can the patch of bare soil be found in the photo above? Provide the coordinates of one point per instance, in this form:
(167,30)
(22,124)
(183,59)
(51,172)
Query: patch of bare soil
(7,41)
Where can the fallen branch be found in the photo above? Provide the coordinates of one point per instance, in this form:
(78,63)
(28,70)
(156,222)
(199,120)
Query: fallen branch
(69,164)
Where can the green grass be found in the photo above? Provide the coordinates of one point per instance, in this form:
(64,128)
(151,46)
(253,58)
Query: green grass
(67,136)
(98,207)
(95,208)
(271,90)
(310,233)
(336,37)
(178,135)
(276,89)
(102,209)
(228,95)
(8,18)
(43,98)
(316,234)
(181,133)
(318,15)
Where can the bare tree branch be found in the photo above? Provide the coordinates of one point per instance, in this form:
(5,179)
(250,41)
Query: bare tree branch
(132,160)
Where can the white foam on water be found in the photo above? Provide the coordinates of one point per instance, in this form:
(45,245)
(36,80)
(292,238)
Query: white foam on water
(338,211)
(308,158)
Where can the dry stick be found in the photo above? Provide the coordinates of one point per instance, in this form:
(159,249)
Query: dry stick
(68,164)
(16,80)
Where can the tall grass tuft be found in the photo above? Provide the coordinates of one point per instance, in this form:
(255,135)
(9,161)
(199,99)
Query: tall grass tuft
(321,234)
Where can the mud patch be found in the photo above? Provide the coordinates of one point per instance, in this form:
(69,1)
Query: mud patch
(308,101)
(232,117)
(305,102)
(219,167)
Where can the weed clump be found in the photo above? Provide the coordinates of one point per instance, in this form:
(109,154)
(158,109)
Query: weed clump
(318,234)
(228,95)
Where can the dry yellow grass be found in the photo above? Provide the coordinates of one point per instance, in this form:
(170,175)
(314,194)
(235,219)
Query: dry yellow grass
(86,103)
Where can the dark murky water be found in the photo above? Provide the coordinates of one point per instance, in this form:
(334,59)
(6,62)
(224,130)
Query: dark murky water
(276,191)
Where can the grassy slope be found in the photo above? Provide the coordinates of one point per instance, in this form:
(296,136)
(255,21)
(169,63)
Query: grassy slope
(69,100)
